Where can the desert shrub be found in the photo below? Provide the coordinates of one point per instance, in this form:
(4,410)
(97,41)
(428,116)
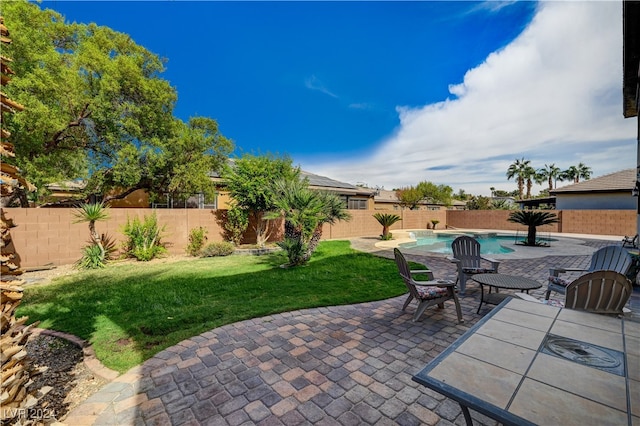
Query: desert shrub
(143,238)
(236,223)
(197,239)
(221,248)
(92,257)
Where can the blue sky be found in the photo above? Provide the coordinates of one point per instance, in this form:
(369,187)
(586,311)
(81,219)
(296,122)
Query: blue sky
(394,93)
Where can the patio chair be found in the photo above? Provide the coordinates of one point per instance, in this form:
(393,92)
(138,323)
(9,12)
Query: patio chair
(600,292)
(613,258)
(469,261)
(630,241)
(427,293)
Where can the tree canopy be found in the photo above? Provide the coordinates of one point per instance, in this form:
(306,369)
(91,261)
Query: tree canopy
(410,197)
(97,109)
(251,181)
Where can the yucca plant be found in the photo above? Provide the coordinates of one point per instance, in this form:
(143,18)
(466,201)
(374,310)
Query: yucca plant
(94,255)
(386,220)
(532,219)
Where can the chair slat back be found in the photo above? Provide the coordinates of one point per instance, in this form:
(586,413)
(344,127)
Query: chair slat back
(403,266)
(467,250)
(612,258)
(602,292)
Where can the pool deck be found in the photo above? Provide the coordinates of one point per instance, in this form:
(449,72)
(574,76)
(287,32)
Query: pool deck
(343,365)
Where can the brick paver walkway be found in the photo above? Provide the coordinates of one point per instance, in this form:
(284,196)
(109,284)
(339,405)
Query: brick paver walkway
(345,365)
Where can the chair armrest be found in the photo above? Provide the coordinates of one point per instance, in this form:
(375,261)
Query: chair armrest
(555,271)
(494,263)
(420,271)
(453,259)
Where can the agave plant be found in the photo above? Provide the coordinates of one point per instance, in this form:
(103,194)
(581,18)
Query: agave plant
(386,220)
(532,219)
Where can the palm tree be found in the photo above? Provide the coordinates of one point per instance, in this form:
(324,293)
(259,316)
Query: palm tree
(305,211)
(530,175)
(532,219)
(570,174)
(386,220)
(551,173)
(584,172)
(519,170)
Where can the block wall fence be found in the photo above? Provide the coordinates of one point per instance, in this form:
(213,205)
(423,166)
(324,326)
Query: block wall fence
(50,236)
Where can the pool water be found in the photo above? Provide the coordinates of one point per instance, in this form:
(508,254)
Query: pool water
(441,243)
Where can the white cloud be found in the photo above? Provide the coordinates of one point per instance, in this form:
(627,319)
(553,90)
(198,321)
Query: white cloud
(554,95)
(314,83)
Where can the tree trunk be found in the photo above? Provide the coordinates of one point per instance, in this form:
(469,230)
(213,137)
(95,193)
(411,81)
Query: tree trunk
(96,238)
(313,243)
(531,236)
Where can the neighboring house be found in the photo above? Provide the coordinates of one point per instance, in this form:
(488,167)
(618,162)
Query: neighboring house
(356,198)
(388,200)
(609,192)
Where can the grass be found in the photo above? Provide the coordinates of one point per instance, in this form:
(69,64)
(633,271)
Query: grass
(131,312)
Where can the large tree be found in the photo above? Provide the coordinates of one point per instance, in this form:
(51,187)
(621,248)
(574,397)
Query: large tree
(251,181)
(98,108)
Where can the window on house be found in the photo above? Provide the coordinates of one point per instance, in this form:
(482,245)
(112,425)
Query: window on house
(357,204)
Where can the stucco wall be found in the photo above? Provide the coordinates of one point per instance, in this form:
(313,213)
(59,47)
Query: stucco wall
(595,201)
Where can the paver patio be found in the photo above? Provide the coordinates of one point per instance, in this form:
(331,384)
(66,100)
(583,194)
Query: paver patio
(344,365)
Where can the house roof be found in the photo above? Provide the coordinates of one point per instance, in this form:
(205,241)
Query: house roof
(631,56)
(323,182)
(621,181)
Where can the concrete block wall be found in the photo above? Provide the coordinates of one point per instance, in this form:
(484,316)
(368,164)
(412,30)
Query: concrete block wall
(49,235)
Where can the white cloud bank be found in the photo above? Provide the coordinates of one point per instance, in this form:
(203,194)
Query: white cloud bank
(554,95)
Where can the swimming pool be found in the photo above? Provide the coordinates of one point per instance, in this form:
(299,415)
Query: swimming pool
(490,243)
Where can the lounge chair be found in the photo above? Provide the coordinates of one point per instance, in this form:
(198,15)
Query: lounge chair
(427,293)
(614,258)
(630,241)
(600,292)
(469,261)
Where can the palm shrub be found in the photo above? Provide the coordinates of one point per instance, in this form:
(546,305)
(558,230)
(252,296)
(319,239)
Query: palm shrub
(94,255)
(532,219)
(386,220)
(305,211)
(143,238)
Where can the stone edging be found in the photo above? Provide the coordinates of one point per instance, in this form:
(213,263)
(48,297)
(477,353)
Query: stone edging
(89,355)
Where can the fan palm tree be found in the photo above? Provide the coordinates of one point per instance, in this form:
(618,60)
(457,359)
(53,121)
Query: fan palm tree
(386,220)
(519,170)
(551,174)
(532,219)
(584,172)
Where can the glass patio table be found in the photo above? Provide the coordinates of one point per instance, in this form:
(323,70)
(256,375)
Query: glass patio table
(529,363)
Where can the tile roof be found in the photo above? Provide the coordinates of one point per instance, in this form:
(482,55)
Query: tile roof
(621,181)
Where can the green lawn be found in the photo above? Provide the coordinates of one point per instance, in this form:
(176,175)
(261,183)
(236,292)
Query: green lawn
(129,312)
